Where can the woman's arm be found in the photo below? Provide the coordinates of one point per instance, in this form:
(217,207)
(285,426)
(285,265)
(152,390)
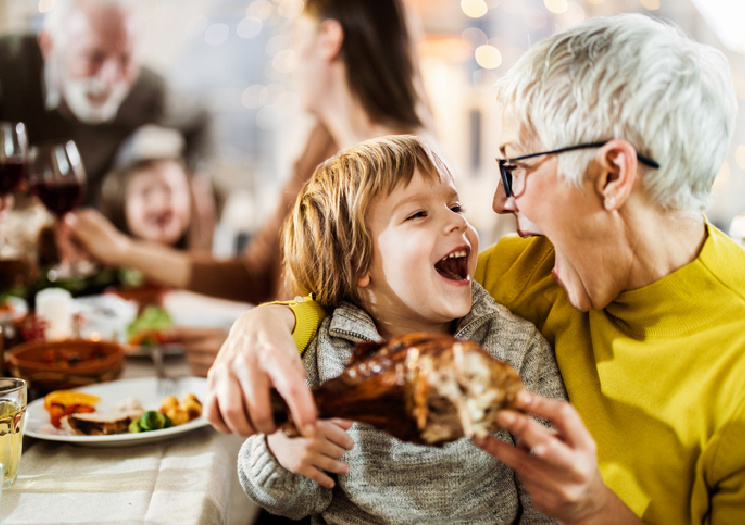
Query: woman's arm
(110,246)
(258,354)
(558,466)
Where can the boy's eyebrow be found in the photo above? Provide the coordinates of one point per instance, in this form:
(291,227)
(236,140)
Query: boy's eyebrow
(452,192)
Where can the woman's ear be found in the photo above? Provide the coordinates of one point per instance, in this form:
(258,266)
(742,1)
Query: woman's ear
(364,281)
(331,38)
(619,167)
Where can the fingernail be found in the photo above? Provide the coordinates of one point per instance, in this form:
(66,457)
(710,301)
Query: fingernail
(506,418)
(524,397)
(537,450)
(308,430)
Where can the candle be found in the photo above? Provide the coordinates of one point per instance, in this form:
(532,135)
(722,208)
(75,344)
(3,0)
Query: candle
(54,308)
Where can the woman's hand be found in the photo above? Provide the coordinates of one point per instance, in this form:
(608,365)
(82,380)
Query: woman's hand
(97,235)
(558,466)
(259,353)
(316,456)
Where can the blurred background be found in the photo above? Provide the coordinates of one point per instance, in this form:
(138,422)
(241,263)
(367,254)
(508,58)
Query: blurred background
(234,57)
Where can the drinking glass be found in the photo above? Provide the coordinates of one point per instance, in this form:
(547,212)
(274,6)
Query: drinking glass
(13,159)
(13,155)
(57,177)
(13,394)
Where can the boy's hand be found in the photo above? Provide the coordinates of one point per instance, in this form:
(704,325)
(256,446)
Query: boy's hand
(314,457)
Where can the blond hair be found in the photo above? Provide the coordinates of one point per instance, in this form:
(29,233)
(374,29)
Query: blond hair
(327,243)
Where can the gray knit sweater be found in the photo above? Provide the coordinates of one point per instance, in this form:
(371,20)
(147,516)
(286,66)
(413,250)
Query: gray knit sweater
(397,482)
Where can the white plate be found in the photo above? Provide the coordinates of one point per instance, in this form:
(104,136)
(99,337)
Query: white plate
(150,391)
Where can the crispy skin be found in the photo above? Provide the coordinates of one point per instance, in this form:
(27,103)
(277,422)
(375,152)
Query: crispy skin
(425,388)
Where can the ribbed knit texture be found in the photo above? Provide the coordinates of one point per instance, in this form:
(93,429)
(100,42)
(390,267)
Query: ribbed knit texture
(658,376)
(395,482)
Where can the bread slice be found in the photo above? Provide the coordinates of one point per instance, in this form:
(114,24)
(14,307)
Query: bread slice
(100,423)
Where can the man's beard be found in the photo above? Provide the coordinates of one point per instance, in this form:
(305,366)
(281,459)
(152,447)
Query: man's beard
(75,92)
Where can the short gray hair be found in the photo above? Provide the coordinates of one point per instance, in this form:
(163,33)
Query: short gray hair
(635,78)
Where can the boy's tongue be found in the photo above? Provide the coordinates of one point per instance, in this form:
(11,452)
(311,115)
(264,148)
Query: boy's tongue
(454,268)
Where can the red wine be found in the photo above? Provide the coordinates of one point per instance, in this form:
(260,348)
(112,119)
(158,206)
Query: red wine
(11,174)
(59,198)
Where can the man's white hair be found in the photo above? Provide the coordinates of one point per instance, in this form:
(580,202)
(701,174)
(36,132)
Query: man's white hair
(57,20)
(635,78)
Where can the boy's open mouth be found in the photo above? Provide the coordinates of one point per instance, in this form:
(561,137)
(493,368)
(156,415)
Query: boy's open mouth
(454,265)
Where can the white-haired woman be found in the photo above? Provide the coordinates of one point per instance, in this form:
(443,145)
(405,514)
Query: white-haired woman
(613,133)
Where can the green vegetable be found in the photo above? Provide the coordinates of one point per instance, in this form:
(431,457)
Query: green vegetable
(134,426)
(151,319)
(153,420)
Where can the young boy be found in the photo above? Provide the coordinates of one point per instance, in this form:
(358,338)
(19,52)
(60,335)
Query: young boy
(379,237)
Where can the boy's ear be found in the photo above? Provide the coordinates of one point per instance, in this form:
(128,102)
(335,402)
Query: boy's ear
(364,281)
(332,36)
(618,171)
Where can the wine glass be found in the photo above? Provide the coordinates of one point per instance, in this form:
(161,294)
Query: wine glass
(13,159)
(13,156)
(57,177)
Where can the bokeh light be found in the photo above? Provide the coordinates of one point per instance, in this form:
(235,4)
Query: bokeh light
(260,9)
(488,57)
(216,34)
(556,6)
(249,27)
(254,97)
(722,180)
(474,8)
(290,8)
(46,5)
(651,5)
(740,156)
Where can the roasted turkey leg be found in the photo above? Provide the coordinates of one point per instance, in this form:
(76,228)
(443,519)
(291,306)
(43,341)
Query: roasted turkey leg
(425,388)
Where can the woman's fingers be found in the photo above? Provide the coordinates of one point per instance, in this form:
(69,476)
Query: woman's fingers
(259,353)
(225,408)
(562,415)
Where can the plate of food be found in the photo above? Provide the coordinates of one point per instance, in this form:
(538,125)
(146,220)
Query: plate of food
(120,413)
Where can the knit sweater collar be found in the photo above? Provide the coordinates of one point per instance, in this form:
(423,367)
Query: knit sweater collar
(351,322)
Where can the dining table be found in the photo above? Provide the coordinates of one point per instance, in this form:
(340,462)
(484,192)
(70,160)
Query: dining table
(189,478)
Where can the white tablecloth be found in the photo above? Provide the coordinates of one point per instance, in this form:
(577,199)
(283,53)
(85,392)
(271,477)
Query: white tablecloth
(190,479)
(187,480)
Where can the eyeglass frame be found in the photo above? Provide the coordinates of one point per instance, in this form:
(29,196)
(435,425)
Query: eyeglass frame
(505,166)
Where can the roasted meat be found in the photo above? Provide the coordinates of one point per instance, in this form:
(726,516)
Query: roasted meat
(425,388)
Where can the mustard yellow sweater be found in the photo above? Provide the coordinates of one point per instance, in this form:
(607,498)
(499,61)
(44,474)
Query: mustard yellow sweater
(658,376)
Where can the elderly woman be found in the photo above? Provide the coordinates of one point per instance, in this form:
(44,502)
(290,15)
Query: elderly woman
(613,133)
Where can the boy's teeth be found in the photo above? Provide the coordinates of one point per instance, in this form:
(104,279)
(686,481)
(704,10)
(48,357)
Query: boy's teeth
(453,255)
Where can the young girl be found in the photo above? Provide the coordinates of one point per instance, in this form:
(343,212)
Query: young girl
(379,237)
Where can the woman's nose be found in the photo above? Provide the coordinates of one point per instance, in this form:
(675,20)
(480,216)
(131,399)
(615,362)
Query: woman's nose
(501,203)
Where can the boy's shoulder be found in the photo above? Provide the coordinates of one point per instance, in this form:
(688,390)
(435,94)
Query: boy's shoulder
(495,327)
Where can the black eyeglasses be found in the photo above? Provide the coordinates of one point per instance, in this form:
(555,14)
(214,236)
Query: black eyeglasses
(506,166)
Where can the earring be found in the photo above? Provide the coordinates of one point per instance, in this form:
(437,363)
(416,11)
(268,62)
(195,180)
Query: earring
(610,203)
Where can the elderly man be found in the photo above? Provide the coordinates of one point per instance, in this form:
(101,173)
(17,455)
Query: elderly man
(80,79)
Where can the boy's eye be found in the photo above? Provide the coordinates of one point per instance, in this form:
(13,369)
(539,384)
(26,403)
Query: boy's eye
(416,215)
(457,208)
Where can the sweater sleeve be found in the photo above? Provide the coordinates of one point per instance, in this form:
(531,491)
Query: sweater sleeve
(273,487)
(256,276)
(724,472)
(539,370)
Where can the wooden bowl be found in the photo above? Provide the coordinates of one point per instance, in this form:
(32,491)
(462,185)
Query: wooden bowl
(71,363)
